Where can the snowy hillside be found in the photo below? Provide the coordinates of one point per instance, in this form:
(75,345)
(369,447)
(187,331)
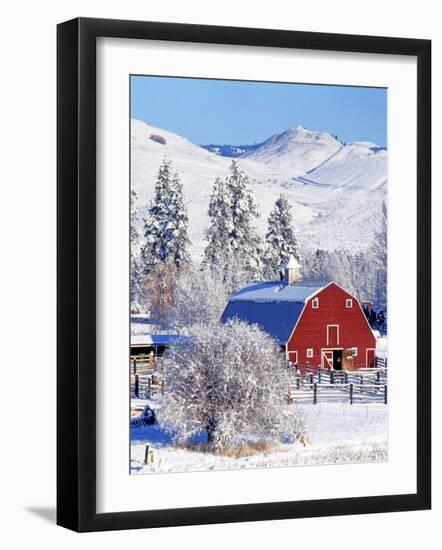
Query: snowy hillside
(296,150)
(357,165)
(337,204)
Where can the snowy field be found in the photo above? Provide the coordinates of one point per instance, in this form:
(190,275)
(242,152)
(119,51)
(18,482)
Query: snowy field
(339,433)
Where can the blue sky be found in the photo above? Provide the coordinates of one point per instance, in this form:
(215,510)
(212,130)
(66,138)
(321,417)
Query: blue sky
(240,112)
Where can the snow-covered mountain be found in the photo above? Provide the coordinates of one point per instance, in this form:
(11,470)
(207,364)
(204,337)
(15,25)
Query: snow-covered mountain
(296,150)
(336,190)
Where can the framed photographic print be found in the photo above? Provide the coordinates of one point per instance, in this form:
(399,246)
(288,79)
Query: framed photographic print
(243,274)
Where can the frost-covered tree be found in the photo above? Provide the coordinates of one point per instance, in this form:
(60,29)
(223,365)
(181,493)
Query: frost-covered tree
(230,382)
(167,222)
(135,271)
(380,260)
(280,239)
(199,298)
(244,240)
(220,226)
(233,242)
(316,271)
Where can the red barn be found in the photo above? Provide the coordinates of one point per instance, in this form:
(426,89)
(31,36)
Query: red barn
(315,325)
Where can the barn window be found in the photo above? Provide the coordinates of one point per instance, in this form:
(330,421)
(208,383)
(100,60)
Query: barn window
(315,303)
(309,352)
(354,352)
(349,302)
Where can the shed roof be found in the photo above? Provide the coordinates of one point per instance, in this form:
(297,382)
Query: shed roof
(140,340)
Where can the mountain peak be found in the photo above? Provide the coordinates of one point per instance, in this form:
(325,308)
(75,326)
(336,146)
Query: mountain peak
(296,149)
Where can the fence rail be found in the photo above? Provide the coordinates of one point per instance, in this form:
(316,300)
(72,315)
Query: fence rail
(350,392)
(360,376)
(142,364)
(145,386)
(314,386)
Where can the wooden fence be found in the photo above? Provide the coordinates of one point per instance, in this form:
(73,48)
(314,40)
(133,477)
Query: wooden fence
(142,364)
(360,376)
(348,393)
(316,385)
(145,386)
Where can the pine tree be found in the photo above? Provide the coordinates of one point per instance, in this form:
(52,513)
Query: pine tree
(134,252)
(217,235)
(179,244)
(380,260)
(318,265)
(281,241)
(233,244)
(166,223)
(244,241)
(380,319)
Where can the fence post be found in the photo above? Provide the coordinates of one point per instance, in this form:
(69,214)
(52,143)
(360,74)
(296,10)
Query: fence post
(385,394)
(137,385)
(345,377)
(351,394)
(332,377)
(311,378)
(146,454)
(162,387)
(297,382)
(149,387)
(315,393)
(385,364)
(378,377)
(289,396)
(319,374)
(135,365)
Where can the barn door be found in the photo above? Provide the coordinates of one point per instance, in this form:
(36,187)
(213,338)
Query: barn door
(332,335)
(327,359)
(370,358)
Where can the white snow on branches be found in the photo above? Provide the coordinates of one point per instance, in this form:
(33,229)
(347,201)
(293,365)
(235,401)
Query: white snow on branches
(230,382)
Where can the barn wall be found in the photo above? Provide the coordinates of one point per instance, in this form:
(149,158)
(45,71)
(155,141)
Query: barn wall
(311,330)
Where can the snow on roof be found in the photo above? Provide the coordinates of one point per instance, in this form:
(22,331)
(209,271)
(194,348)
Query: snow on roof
(155,339)
(292,263)
(276,291)
(273,306)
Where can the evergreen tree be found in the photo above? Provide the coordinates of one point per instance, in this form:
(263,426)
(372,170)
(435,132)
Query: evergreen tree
(281,241)
(233,244)
(244,240)
(380,260)
(217,235)
(380,319)
(166,223)
(134,251)
(318,265)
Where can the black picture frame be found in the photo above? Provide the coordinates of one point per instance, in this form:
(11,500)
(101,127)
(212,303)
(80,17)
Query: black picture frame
(76,274)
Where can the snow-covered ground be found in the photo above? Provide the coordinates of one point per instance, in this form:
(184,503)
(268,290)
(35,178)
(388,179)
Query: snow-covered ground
(338,433)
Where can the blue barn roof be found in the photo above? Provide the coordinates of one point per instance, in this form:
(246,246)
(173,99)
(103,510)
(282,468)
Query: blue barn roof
(274,306)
